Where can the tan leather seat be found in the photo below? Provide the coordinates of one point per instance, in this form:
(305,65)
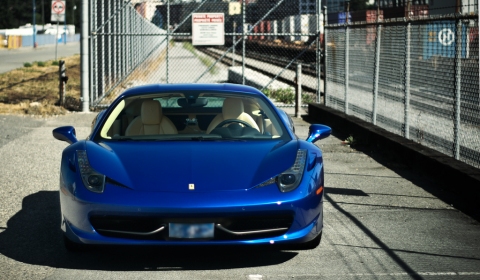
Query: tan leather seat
(232,109)
(265,125)
(151,121)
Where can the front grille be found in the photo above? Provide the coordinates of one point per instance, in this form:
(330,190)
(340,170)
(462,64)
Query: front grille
(226,228)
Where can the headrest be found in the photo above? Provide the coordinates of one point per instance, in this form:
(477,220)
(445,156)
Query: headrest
(232,108)
(135,108)
(151,112)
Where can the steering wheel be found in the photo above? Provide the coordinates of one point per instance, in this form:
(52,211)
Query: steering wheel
(232,121)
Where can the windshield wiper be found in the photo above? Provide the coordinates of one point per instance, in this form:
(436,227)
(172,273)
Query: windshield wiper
(203,138)
(124,139)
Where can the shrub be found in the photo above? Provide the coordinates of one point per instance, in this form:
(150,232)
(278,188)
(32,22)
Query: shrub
(308,98)
(55,63)
(40,64)
(267,92)
(286,96)
(27,64)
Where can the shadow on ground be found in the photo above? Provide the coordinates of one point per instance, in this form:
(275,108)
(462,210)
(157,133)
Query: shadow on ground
(413,171)
(33,236)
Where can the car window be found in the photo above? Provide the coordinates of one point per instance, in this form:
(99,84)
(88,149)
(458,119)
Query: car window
(192,116)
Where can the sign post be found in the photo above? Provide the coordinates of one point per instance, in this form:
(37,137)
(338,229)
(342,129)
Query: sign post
(208,29)
(58,14)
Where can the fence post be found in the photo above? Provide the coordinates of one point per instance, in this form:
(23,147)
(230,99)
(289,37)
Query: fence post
(243,41)
(84,58)
(319,52)
(407,83)
(347,57)
(233,41)
(458,88)
(325,54)
(298,91)
(168,39)
(62,78)
(378,42)
(108,82)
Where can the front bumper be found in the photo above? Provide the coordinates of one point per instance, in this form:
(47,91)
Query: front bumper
(121,216)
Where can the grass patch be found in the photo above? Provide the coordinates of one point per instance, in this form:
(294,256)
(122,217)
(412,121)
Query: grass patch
(287,95)
(205,60)
(33,89)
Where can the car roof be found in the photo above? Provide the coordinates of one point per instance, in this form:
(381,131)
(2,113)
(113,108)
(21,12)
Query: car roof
(159,88)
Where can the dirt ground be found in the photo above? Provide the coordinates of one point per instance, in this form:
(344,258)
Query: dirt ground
(34,89)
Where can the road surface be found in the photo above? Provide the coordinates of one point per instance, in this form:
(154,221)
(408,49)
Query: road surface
(15,58)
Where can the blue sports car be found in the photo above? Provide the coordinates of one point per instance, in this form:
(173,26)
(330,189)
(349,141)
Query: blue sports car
(191,164)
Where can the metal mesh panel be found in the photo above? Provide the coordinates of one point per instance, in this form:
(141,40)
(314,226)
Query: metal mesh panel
(432,86)
(422,75)
(391,90)
(263,44)
(361,73)
(124,48)
(469,138)
(335,68)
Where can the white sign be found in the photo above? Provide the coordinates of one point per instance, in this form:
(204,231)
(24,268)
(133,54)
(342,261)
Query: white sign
(58,10)
(208,29)
(446,37)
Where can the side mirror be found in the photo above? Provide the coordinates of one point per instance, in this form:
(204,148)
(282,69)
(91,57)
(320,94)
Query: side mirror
(317,132)
(65,133)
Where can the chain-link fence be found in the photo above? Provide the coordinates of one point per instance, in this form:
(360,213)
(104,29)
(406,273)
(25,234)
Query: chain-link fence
(262,43)
(411,70)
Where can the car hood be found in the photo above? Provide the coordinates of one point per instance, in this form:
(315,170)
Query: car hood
(208,165)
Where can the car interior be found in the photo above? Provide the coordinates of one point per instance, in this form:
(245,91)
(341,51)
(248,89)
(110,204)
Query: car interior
(191,115)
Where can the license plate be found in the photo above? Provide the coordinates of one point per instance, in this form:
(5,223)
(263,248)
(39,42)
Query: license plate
(190,230)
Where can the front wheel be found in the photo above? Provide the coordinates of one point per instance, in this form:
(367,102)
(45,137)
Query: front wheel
(73,246)
(312,244)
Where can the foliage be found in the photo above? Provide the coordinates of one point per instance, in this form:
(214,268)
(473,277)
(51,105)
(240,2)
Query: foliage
(284,95)
(17,13)
(27,64)
(287,95)
(308,98)
(350,141)
(40,63)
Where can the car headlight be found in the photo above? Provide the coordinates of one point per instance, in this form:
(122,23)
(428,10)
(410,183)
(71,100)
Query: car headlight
(92,180)
(289,179)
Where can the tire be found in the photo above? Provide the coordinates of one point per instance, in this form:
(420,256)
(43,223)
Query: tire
(312,244)
(73,246)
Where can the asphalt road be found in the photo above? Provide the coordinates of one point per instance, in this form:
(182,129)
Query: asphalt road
(382,221)
(15,58)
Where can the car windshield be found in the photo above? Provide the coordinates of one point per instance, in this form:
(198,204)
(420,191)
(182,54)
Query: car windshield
(192,116)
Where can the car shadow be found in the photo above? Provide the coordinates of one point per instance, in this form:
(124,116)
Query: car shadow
(33,236)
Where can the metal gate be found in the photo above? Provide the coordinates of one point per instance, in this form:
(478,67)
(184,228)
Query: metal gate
(141,42)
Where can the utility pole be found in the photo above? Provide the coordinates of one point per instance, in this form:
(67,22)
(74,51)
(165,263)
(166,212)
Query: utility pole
(34,26)
(43,15)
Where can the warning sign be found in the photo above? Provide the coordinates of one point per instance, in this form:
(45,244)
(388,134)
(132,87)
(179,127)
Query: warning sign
(208,29)
(58,10)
